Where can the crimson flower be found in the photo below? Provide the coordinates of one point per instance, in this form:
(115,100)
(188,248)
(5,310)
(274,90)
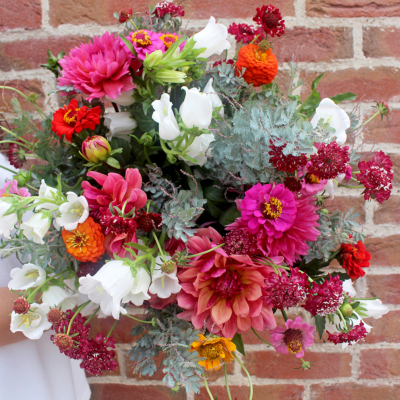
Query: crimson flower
(148,221)
(357,333)
(73,119)
(271,20)
(16,154)
(285,163)
(354,258)
(166,7)
(124,15)
(245,33)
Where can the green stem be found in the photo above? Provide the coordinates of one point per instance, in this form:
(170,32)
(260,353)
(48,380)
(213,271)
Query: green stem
(206,386)
(89,319)
(33,294)
(352,187)
(284,315)
(14,134)
(247,373)
(226,382)
(159,246)
(31,187)
(147,156)
(369,120)
(269,344)
(19,144)
(342,318)
(76,313)
(370,298)
(9,170)
(207,251)
(112,328)
(139,320)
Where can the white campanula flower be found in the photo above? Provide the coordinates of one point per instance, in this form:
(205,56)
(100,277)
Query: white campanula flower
(215,99)
(198,149)
(47,192)
(196,109)
(33,323)
(36,227)
(213,38)
(164,284)
(7,222)
(73,212)
(28,276)
(124,99)
(139,292)
(332,114)
(164,115)
(332,184)
(56,296)
(120,125)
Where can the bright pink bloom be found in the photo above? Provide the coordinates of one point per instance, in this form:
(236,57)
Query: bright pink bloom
(100,68)
(310,184)
(13,189)
(294,338)
(145,42)
(271,20)
(357,333)
(223,293)
(349,172)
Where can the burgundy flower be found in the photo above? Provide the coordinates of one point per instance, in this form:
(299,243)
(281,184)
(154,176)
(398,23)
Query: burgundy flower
(220,62)
(376,175)
(330,161)
(89,267)
(285,163)
(357,333)
(271,20)
(241,242)
(16,154)
(124,15)
(245,33)
(292,183)
(166,7)
(148,221)
(284,291)
(326,298)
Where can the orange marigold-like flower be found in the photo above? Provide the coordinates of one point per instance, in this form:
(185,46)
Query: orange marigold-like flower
(216,349)
(86,242)
(261,65)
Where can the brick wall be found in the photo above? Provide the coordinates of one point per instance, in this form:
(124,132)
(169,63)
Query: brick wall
(357,42)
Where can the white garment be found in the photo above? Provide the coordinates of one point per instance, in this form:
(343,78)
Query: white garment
(35,369)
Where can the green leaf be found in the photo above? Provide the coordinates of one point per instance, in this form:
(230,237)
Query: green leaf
(128,44)
(227,217)
(348,96)
(320,325)
(123,157)
(313,100)
(316,81)
(146,104)
(238,341)
(112,162)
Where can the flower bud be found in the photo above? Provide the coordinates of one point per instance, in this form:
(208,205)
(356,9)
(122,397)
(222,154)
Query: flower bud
(346,309)
(22,178)
(55,315)
(63,342)
(146,139)
(168,267)
(153,59)
(21,305)
(171,158)
(96,149)
(170,76)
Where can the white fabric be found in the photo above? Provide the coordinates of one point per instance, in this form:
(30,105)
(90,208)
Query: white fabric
(35,369)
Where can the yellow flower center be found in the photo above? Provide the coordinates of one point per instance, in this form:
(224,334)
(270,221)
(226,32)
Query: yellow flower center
(70,116)
(211,351)
(6,195)
(260,55)
(310,178)
(273,209)
(295,346)
(141,38)
(32,274)
(168,39)
(78,240)
(27,319)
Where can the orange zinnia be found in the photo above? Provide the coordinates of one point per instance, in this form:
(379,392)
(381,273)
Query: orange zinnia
(86,242)
(216,349)
(261,65)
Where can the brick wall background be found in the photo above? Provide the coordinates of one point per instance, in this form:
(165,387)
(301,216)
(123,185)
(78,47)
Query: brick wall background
(358,43)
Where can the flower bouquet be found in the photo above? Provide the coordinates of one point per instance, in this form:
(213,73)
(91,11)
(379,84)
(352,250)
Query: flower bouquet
(193,187)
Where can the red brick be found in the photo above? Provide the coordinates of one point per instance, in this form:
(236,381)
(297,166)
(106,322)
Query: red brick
(381,42)
(322,44)
(219,9)
(273,365)
(26,87)
(113,391)
(353,8)
(345,203)
(385,329)
(382,131)
(380,363)
(386,287)
(380,83)
(396,168)
(384,251)
(22,14)
(353,391)
(388,212)
(270,392)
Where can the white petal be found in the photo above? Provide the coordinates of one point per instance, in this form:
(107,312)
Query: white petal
(119,124)
(348,288)
(196,109)
(124,99)
(215,99)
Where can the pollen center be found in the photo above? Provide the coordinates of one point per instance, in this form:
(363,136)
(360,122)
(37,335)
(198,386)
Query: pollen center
(211,351)
(168,39)
(273,209)
(78,239)
(310,178)
(141,38)
(293,340)
(70,116)
(260,55)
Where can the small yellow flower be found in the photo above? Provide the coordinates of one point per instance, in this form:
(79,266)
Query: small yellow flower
(216,349)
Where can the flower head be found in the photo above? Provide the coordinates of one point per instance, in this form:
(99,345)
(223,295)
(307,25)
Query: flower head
(357,333)
(245,33)
(36,227)
(286,163)
(58,296)
(271,20)
(383,109)
(164,279)
(99,68)
(293,184)
(21,305)
(29,276)
(294,339)
(168,7)
(11,187)
(145,42)
(165,117)
(148,221)
(216,350)
(95,149)
(86,242)
(196,109)
(310,184)
(354,258)
(241,242)
(325,298)
(376,175)
(55,315)
(124,15)
(284,291)
(89,268)
(16,154)
(73,119)
(73,212)
(63,341)
(120,125)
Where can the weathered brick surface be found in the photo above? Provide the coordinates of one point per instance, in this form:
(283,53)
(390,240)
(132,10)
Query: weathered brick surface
(23,14)
(381,42)
(384,252)
(383,131)
(380,363)
(385,329)
(346,203)
(388,212)
(386,287)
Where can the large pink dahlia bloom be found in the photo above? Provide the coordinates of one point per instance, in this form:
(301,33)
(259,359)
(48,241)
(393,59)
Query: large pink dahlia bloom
(100,68)
(223,293)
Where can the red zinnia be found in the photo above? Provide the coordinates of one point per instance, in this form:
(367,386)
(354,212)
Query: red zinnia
(166,7)
(354,258)
(72,119)
(124,15)
(271,20)
(330,161)
(245,33)
(285,163)
(357,333)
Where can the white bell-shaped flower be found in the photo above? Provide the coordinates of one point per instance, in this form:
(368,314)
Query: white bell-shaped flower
(33,323)
(124,99)
(198,149)
(47,192)
(215,99)
(120,125)
(196,109)
(139,292)
(213,37)
(7,222)
(28,276)
(36,227)
(73,212)
(164,284)
(163,114)
(332,114)
(56,296)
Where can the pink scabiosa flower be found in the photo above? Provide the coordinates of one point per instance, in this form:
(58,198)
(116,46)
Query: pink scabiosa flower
(284,291)
(241,242)
(223,293)
(11,187)
(358,332)
(326,298)
(145,42)
(294,339)
(99,69)
(376,175)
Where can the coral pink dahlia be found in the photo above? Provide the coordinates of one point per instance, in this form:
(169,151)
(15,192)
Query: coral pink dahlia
(99,69)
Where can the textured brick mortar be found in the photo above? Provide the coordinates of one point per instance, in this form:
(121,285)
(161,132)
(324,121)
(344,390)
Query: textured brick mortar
(347,38)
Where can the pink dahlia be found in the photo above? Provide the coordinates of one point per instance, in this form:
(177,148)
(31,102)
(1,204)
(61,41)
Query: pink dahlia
(11,187)
(145,42)
(99,69)
(294,338)
(223,293)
